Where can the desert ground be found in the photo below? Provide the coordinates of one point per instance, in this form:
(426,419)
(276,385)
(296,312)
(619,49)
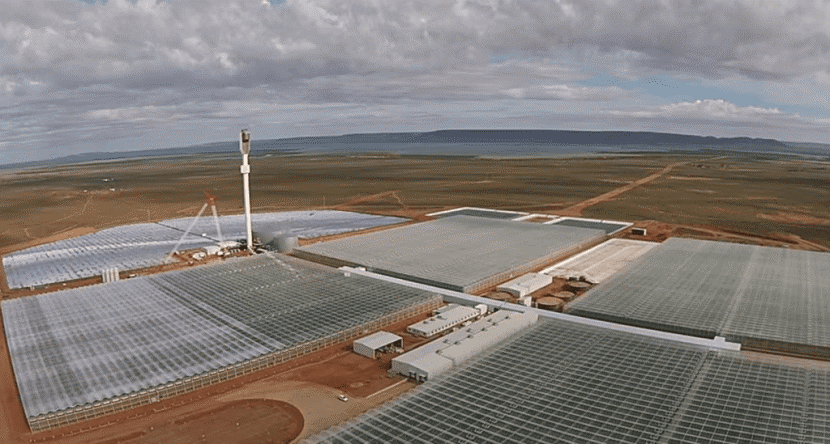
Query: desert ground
(761,199)
(779,199)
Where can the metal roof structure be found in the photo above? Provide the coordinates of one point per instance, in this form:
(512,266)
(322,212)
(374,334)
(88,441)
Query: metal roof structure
(84,346)
(608,226)
(368,345)
(463,253)
(479,212)
(760,296)
(131,247)
(563,382)
(378,339)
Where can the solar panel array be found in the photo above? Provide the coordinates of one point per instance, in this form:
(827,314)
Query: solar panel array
(75,347)
(561,382)
(126,247)
(303,224)
(137,246)
(705,288)
(461,253)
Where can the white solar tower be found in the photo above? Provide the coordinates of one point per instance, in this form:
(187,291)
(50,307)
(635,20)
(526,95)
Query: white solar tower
(245,148)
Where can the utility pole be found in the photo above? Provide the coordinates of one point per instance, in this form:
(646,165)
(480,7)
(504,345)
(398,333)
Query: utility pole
(245,148)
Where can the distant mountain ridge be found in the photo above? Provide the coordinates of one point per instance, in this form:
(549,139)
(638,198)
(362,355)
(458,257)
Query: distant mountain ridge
(540,137)
(450,137)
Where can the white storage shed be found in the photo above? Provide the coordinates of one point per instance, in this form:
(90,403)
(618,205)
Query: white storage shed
(381,341)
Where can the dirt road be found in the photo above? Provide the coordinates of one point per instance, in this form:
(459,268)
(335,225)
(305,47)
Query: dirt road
(576,210)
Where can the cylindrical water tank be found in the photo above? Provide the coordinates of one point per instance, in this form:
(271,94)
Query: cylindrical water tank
(577,286)
(500,296)
(550,303)
(566,296)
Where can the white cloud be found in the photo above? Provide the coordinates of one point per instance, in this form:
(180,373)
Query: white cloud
(138,63)
(708,109)
(568,93)
(77,43)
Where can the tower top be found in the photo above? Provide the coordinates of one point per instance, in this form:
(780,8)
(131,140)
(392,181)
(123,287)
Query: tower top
(245,141)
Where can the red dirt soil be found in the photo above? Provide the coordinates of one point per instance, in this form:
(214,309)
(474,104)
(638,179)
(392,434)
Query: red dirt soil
(264,420)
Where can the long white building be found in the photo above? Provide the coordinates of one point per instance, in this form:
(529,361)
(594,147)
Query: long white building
(446,318)
(443,354)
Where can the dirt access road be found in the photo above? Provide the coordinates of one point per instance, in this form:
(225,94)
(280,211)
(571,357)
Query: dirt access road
(576,210)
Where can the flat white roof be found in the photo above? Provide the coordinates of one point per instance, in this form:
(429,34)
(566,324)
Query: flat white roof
(528,282)
(446,352)
(603,261)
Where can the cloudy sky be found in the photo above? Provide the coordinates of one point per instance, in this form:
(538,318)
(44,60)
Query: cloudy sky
(79,76)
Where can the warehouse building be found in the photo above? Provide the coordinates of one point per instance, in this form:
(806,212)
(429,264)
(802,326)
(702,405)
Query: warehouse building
(380,342)
(461,253)
(445,319)
(439,356)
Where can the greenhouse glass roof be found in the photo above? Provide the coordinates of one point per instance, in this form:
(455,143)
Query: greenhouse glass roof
(75,347)
(137,246)
(127,247)
(608,227)
(560,382)
(479,212)
(459,253)
(742,292)
(303,224)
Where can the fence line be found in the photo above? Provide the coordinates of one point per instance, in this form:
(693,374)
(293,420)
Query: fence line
(195,382)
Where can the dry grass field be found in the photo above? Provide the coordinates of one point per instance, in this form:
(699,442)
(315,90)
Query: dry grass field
(753,196)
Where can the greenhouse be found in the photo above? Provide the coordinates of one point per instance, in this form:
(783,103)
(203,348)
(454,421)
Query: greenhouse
(303,224)
(462,253)
(774,298)
(81,353)
(136,246)
(479,212)
(127,247)
(560,382)
(609,227)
